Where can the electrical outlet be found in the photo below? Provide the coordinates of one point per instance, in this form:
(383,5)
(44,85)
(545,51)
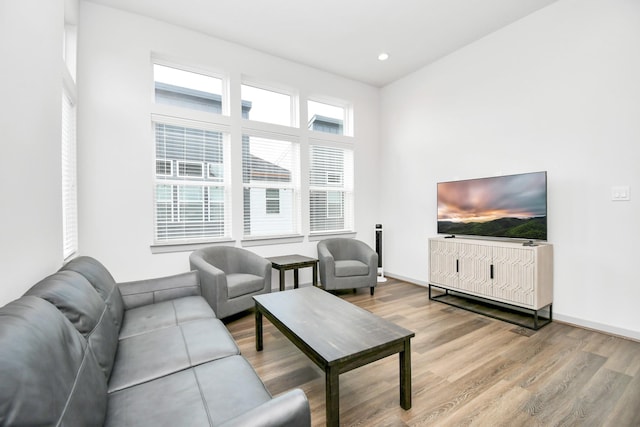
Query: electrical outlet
(620,193)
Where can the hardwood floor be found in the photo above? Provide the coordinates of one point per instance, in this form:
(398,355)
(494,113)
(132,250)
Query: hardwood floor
(467,369)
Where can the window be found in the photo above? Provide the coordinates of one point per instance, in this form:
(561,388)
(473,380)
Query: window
(264,105)
(69,177)
(325,117)
(330,189)
(271,179)
(190,185)
(195,177)
(187,90)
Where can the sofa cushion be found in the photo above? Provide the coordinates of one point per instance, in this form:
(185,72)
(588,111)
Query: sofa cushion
(141,320)
(47,375)
(102,281)
(347,268)
(239,284)
(77,299)
(205,395)
(150,291)
(149,356)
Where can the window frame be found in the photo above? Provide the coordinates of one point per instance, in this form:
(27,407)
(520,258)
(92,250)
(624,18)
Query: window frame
(294,118)
(207,184)
(180,111)
(345,188)
(294,186)
(347,119)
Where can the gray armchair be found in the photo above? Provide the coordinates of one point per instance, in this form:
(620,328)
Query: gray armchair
(347,263)
(230,277)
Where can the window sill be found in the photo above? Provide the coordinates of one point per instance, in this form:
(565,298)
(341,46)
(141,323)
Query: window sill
(272,240)
(165,248)
(316,237)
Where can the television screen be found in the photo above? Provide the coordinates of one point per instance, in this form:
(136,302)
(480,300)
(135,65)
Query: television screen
(512,206)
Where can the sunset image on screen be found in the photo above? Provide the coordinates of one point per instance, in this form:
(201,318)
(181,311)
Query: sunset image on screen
(515,206)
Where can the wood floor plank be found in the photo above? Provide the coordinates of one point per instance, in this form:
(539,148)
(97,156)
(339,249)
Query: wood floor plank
(467,369)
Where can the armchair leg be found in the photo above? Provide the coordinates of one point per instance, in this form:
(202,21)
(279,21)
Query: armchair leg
(372,289)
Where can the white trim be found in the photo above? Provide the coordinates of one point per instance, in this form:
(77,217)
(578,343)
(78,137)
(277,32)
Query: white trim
(191,67)
(214,126)
(271,240)
(188,246)
(333,140)
(600,327)
(269,130)
(315,237)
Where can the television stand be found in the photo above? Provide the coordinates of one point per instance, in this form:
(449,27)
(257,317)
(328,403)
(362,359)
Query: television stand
(494,278)
(527,318)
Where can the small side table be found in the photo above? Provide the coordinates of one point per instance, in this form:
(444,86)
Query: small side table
(294,262)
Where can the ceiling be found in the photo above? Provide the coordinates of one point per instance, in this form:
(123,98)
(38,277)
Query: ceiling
(343,37)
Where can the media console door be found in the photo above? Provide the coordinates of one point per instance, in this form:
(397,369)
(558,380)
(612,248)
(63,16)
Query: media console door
(503,271)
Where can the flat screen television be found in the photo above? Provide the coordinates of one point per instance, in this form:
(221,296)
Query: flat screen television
(510,206)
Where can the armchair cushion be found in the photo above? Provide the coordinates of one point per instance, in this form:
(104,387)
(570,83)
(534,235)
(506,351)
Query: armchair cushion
(241,284)
(351,267)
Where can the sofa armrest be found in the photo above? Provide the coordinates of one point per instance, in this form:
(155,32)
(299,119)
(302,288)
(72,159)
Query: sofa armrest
(149,291)
(290,409)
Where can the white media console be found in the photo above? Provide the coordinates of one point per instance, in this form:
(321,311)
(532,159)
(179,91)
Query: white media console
(510,273)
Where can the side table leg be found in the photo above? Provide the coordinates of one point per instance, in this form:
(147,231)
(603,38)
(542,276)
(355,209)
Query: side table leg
(295,278)
(405,375)
(332,397)
(282,279)
(315,274)
(258,330)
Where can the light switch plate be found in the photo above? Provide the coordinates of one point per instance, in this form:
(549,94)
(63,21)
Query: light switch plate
(620,193)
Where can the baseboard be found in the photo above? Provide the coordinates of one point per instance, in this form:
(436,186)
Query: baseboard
(599,327)
(561,318)
(406,279)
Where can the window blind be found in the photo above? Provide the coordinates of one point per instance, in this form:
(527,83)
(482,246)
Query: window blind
(69,177)
(271,186)
(330,189)
(191,197)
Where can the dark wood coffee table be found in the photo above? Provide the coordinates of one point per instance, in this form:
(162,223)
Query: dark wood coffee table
(337,336)
(294,262)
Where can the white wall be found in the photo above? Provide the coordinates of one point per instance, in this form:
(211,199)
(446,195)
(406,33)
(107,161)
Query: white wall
(557,91)
(31,34)
(115,139)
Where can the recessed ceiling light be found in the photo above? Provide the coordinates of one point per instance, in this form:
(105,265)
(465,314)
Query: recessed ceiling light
(383,56)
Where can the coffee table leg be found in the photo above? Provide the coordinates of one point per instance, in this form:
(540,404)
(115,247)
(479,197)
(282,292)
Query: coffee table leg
(405,375)
(282,271)
(332,397)
(258,330)
(295,278)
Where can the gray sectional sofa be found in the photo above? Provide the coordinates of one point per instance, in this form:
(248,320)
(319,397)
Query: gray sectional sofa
(77,349)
